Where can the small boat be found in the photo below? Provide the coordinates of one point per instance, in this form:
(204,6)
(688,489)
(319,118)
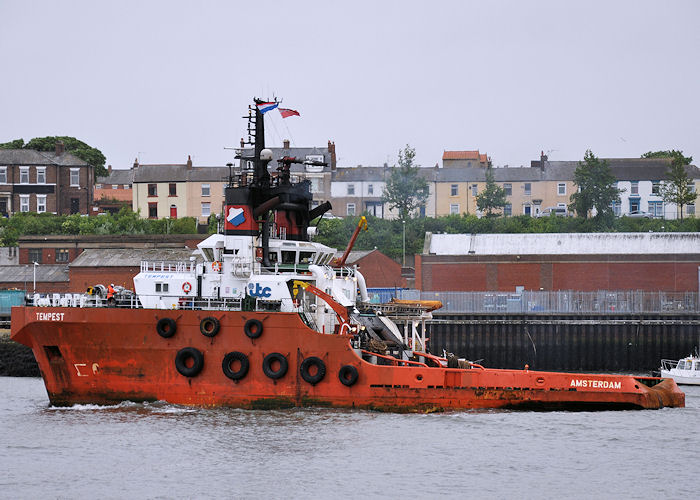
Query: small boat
(684,371)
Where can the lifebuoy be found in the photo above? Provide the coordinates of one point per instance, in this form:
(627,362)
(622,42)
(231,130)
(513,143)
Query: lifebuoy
(186,354)
(209,326)
(216,266)
(229,359)
(267,365)
(305,370)
(187,287)
(348,375)
(253,328)
(166,327)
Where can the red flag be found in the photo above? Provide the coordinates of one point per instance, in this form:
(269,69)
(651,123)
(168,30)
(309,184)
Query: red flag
(288,112)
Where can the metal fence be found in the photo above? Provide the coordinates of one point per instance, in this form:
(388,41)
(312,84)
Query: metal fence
(566,301)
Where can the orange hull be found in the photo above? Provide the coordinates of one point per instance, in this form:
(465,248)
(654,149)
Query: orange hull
(104,356)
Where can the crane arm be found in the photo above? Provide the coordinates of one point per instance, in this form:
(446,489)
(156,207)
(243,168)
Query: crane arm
(340,311)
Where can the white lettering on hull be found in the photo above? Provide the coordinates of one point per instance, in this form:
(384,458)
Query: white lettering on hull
(595,384)
(44,316)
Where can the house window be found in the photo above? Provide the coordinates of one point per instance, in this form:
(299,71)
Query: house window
(75,177)
(561,189)
(3,175)
(153,210)
(152,190)
(24,203)
(62,255)
(41,175)
(475,189)
(351,189)
(206,209)
(206,190)
(127,186)
(634,204)
(616,208)
(454,190)
(115,186)
(690,209)
(98,186)
(35,255)
(41,203)
(635,187)
(508,188)
(527,210)
(350,209)
(508,209)
(454,209)
(656,208)
(527,188)
(24,175)
(315,185)
(172,189)
(655,187)
(370,188)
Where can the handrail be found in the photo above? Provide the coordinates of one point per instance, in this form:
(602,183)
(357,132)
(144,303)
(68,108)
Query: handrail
(431,357)
(394,360)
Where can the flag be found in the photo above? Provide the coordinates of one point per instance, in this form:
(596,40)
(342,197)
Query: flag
(264,107)
(286,113)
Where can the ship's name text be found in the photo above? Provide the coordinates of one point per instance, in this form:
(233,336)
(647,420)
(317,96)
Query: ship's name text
(49,316)
(596,384)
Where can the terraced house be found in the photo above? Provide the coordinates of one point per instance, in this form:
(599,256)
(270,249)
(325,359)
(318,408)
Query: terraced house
(38,181)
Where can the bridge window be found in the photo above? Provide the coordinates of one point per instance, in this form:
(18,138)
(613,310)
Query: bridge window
(161,287)
(289,257)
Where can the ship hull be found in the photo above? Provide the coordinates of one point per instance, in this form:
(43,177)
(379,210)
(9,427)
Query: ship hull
(105,355)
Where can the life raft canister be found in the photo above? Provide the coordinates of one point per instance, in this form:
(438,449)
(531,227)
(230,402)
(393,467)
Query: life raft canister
(216,266)
(187,287)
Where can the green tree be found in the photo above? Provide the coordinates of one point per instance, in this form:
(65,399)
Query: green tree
(87,153)
(680,188)
(596,188)
(405,189)
(492,197)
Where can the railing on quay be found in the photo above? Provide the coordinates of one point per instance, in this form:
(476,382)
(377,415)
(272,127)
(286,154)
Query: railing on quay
(563,301)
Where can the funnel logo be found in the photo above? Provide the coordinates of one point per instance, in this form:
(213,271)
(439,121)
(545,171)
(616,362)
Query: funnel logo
(255,290)
(235,216)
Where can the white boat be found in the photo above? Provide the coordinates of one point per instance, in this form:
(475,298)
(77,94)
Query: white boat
(685,371)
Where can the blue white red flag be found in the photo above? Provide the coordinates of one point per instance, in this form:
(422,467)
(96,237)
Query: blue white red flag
(286,113)
(264,107)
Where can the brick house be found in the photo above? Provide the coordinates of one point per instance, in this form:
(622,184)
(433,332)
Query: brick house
(38,181)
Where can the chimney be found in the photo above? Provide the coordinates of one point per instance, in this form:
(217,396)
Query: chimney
(189,162)
(242,143)
(285,144)
(331,152)
(543,159)
(136,163)
(109,169)
(60,148)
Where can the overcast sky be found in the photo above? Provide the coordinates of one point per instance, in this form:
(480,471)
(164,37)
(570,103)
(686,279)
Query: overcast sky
(161,80)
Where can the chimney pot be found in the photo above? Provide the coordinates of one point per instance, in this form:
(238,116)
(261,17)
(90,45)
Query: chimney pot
(189,162)
(242,143)
(109,169)
(136,163)
(285,144)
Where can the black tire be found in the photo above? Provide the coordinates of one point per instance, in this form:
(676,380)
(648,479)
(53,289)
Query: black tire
(166,327)
(348,375)
(209,326)
(304,370)
(253,328)
(267,365)
(181,361)
(230,358)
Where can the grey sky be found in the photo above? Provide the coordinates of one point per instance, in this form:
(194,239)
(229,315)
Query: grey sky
(162,80)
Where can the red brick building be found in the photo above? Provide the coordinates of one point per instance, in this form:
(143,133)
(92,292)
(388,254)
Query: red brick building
(667,262)
(38,181)
(379,270)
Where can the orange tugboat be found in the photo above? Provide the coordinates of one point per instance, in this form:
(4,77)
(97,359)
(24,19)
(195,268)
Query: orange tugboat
(262,317)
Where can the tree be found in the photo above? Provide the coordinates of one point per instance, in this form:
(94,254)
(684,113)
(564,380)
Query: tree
(87,153)
(492,197)
(596,188)
(680,188)
(405,189)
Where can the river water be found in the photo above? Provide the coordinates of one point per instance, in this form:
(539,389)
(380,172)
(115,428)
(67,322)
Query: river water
(164,451)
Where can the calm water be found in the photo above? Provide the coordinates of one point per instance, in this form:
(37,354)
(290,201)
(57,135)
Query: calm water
(164,451)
